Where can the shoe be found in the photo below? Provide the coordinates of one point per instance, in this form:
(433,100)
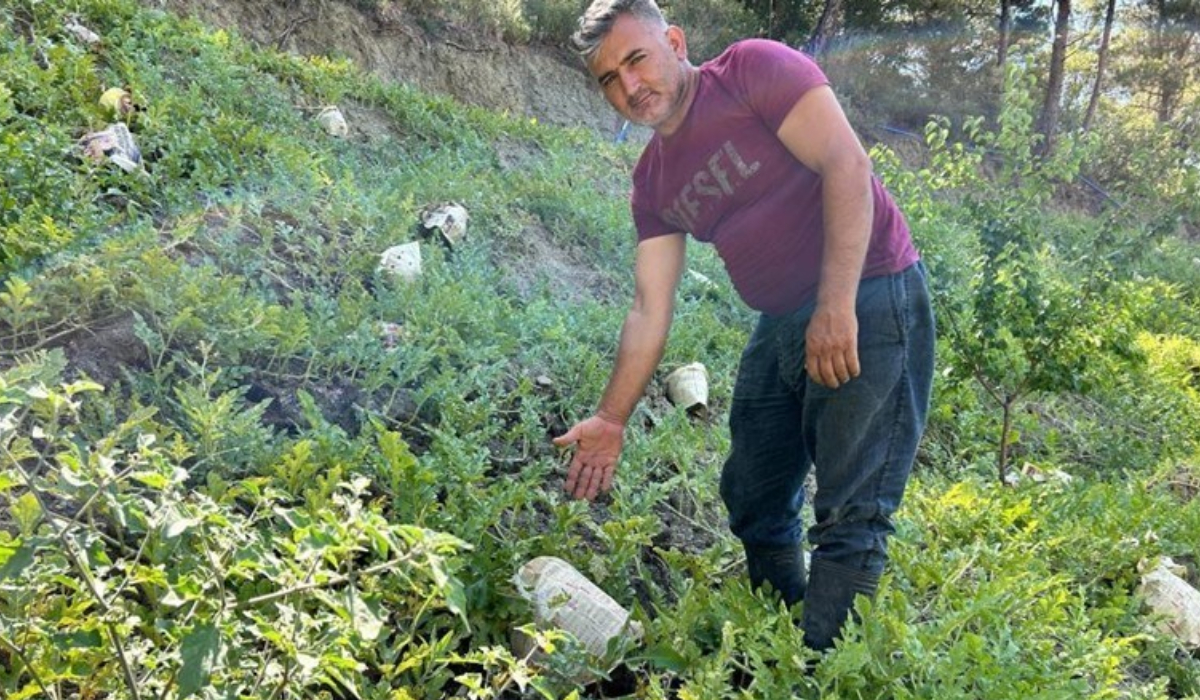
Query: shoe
(782,567)
(832,589)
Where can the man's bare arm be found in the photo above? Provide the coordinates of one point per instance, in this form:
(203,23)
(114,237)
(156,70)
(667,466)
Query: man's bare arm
(599,439)
(817,133)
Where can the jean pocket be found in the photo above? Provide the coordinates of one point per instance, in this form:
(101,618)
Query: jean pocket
(882,309)
(758,369)
(790,340)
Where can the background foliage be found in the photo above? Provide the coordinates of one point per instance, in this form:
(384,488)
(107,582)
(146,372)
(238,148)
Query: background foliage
(238,461)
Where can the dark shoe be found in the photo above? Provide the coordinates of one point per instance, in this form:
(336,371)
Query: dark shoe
(782,567)
(832,589)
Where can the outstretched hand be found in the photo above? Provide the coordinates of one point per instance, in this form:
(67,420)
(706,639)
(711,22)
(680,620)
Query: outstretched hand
(598,442)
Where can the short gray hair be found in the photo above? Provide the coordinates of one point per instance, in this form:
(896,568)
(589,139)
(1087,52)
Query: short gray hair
(598,20)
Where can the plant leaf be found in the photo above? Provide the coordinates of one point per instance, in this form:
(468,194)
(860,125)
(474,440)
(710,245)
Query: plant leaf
(154,480)
(15,560)
(199,649)
(26,512)
(663,656)
(175,528)
(456,599)
(364,615)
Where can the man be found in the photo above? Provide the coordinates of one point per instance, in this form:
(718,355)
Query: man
(753,154)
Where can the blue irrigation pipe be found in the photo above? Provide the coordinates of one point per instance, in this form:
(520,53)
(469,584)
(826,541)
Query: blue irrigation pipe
(902,132)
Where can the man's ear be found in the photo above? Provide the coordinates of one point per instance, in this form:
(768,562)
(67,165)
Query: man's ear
(677,41)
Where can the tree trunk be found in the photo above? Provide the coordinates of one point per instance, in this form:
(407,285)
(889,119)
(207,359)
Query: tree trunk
(1005,34)
(1101,65)
(1048,124)
(1173,82)
(827,27)
(1005,429)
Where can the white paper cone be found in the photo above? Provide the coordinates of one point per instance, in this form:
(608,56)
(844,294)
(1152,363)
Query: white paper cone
(688,386)
(114,143)
(403,261)
(1175,602)
(450,220)
(81,32)
(334,122)
(565,599)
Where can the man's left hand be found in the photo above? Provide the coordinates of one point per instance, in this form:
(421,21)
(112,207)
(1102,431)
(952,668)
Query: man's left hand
(831,346)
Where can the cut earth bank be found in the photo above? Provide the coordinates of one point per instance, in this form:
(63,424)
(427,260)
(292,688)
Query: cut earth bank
(543,83)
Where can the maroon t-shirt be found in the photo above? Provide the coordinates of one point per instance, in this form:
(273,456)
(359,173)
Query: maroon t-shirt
(726,178)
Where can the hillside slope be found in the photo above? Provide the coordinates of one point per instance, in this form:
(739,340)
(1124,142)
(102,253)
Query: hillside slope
(547,84)
(238,459)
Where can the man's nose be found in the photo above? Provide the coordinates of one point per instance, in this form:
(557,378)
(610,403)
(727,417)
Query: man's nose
(629,81)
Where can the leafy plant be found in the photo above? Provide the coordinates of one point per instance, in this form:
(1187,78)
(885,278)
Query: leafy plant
(238,590)
(306,478)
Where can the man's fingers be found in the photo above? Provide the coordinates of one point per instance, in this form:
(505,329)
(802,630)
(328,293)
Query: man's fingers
(840,369)
(821,371)
(852,362)
(589,480)
(583,483)
(606,482)
(597,443)
(569,438)
(593,482)
(829,372)
(573,477)
(833,369)
(846,365)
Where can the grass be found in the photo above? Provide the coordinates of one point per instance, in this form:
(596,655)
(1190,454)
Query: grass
(279,495)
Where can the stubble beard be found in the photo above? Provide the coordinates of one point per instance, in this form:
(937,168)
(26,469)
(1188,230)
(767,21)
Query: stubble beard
(676,103)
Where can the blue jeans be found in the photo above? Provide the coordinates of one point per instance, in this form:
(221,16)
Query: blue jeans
(862,437)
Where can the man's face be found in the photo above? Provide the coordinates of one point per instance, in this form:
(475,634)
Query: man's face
(640,66)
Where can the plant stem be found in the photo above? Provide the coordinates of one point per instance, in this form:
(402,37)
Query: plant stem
(28,667)
(333,581)
(73,555)
(1007,425)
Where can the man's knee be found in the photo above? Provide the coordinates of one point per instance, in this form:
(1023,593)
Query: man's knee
(854,536)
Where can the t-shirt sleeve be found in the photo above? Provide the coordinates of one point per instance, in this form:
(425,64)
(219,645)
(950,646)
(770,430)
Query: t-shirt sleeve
(773,77)
(648,221)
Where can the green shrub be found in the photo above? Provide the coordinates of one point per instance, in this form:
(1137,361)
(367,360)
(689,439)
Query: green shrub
(277,488)
(503,19)
(710,25)
(553,21)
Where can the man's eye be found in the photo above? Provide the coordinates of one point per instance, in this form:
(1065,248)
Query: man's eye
(607,80)
(636,59)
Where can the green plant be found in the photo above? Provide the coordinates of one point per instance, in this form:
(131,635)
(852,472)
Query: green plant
(1023,324)
(276,490)
(711,25)
(235,590)
(552,21)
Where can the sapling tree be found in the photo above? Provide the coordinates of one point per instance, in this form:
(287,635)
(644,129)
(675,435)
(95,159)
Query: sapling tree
(1024,323)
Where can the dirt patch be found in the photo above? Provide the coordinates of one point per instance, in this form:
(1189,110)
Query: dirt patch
(369,123)
(536,258)
(1183,481)
(513,155)
(548,85)
(104,351)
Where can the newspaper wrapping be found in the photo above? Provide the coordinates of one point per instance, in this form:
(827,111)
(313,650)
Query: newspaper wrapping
(688,386)
(565,599)
(1175,602)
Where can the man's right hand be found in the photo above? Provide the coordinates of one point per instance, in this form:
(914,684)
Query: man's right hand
(599,439)
(598,443)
